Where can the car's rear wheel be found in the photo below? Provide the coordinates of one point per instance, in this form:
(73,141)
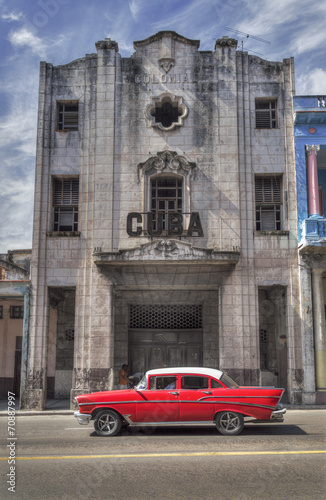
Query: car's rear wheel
(107,423)
(229,423)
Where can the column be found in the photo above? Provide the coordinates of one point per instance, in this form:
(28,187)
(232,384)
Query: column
(313,194)
(319,329)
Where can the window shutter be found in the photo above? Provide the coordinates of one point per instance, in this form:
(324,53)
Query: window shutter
(75,192)
(263,119)
(277,189)
(259,189)
(66,192)
(57,192)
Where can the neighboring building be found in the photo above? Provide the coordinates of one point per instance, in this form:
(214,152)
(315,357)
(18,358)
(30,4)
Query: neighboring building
(14,315)
(165,227)
(310,154)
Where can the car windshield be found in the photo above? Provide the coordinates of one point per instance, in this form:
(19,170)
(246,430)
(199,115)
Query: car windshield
(226,380)
(142,384)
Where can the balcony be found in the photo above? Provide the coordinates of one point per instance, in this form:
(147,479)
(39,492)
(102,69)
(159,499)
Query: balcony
(314,230)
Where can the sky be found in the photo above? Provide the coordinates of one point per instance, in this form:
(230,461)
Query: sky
(59,31)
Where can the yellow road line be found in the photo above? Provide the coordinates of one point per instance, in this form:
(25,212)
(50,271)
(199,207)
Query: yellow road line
(162,455)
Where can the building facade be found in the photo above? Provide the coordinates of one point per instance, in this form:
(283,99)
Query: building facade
(14,318)
(165,223)
(310,153)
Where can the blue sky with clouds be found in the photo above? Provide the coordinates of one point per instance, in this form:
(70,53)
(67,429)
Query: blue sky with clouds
(59,31)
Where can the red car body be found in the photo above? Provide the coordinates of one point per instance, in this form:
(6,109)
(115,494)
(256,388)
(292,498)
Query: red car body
(172,396)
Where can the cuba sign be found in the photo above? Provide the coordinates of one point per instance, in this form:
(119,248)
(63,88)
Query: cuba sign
(153,224)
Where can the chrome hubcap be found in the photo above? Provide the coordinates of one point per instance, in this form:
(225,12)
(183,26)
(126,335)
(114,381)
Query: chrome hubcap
(106,423)
(229,421)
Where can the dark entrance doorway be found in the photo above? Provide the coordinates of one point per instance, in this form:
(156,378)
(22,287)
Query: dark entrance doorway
(18,362)
(165,335)
(164,348)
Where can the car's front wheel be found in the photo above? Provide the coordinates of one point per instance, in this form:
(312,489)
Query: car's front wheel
(229,423)
(107,423)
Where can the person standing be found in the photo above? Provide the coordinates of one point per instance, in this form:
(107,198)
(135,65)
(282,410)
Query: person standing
(123,377)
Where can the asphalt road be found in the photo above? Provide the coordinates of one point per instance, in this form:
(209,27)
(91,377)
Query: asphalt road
(56,458)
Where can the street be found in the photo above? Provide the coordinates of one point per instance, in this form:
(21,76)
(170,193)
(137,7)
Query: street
(56,458)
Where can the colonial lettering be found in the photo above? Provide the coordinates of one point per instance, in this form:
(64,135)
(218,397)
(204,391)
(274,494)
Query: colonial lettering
(153,224)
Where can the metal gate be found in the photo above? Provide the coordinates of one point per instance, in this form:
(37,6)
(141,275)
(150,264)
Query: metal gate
(148,349)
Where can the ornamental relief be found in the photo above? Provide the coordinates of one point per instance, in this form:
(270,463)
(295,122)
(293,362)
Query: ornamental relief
(167,162)
(167,111)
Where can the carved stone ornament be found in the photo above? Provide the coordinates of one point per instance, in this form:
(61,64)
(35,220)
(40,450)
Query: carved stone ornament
(167,64)
(107,44)
(167,250)
(226,42)
(167,161)
(173,101)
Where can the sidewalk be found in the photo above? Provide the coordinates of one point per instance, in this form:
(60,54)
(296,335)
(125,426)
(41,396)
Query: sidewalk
(53,407)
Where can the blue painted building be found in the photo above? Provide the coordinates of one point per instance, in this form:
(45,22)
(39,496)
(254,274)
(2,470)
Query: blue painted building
(310,157)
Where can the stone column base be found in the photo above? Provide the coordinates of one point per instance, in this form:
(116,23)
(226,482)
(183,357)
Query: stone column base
(309,398)
(73,394)
(33,399)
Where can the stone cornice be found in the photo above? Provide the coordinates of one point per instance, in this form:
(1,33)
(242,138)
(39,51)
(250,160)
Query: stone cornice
(107,44)
(169,252)
(161,34)
(226,42)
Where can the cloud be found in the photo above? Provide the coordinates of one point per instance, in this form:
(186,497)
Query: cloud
(42,47)
(25,38)
(312,82)
(12,16)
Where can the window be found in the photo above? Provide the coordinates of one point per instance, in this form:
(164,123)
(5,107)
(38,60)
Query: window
(268,203)
(65,209)
(1,312)
(194,382)
(67,116)
(266,113)
(166,197)
(162,383)
(167,111)
(16,312)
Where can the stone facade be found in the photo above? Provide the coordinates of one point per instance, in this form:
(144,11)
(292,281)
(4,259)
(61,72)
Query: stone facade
(150,246)
(310,154)
(14,318)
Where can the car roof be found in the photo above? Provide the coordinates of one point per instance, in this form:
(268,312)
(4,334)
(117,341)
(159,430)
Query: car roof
(193,370)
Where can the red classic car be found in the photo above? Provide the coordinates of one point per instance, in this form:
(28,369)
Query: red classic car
(181,396)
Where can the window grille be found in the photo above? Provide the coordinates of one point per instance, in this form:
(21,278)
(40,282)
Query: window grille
(268,199)
(70,334)
(263,336)
(165,317)
(68,116)
(16,312)
(65,210)
(265,114)
(167,195)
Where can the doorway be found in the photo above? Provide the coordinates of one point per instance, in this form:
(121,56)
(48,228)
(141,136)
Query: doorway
(164,348)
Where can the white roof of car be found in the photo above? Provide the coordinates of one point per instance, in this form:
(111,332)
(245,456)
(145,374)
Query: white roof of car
(212,372)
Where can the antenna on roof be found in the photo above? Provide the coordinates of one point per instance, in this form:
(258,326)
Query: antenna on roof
(245,37)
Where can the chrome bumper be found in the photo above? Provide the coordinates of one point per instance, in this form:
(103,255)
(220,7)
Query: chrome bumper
(277,415)
(83,418)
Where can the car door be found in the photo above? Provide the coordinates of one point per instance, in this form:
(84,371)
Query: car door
(160,402)
(195,399)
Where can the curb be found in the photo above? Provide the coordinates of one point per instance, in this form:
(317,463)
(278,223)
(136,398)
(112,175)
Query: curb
(31,413)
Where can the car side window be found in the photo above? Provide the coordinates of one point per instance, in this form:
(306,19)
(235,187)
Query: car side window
(215,384)
(192,382)
(162,383)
